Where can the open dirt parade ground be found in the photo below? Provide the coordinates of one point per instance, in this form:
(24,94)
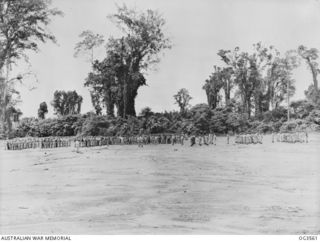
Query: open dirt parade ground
(273,188)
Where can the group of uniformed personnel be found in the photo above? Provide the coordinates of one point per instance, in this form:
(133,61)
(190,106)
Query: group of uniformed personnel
(141,140)
(203,139)
(295,137)
(90,141)
(33,143)
(249,139)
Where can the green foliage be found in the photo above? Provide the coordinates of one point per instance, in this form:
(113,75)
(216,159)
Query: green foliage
(22,25)
(260,127)
(182,98)
(200,119)
(218,121)
(9,98)
(236,122)
(43,110)
(313,96)
(301,108)
(96,125)
(310,56)
(261,79)
(66,103)
(115,80)
(314,116)
(146,112)
(279,113)
(88,43)
(294,125)
(198,109)
(220,78)
(64,126)
(26,124)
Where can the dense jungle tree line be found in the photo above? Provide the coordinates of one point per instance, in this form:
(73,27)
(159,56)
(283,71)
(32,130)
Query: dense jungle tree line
(246,92)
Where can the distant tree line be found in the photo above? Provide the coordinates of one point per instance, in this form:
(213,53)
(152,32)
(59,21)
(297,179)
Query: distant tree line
(249,91)
(196,120)
(260,81)
(64,103)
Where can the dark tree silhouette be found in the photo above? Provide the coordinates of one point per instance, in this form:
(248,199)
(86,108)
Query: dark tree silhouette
(127,59)
(182,98)
(43,110)
(65,103)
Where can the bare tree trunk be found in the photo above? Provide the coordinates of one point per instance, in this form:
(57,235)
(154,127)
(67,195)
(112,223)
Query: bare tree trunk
(130,93)
(268,97)
(288,100)
(257,105)
(109,102)
(110,109)
(120,108)
(125,100)
(248,106)
(79,108)
(209,98)
(6,120)
(119,101)
(130,106)
(215,100)
(244,104)
(314,74)
(227,92)
(2,100)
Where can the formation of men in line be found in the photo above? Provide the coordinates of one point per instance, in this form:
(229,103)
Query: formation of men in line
(33,143)
(141,140)
(210,139)
(249,139)
(296,137)
(91,141)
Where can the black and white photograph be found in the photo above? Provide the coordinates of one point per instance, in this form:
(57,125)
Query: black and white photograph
(159,117)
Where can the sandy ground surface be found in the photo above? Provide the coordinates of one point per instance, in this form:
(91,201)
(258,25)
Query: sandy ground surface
(222,189)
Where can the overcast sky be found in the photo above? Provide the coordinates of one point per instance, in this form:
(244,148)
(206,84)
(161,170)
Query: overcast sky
(198,29)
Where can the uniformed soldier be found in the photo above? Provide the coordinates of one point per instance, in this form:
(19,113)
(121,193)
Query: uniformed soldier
(307,136)
(77,145)
(182,138)
(214,139)
(272,137)
(140,141)
(192,140)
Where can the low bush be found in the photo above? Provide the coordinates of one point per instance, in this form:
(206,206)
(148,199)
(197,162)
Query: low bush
(200,119)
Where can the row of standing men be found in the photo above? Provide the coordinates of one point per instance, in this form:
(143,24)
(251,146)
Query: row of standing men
(140,140)
(295,137)
(249,139)
(33,143)
(91,141)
